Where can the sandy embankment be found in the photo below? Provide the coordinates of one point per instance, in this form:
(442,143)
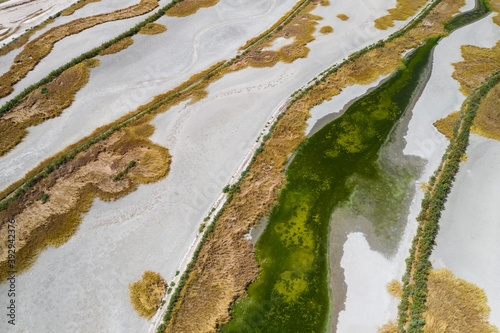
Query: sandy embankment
(360,263)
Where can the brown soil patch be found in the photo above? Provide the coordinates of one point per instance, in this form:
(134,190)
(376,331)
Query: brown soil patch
(117,47)
(147,293)
(343,17)
(153,29)
(226,265)
(404,9)
(41,46)
(42,104)
(76,6)
(73,186)
(188,7)
(326,29)
(453,305)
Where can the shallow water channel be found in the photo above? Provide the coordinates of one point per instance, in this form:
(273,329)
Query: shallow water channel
(292,294)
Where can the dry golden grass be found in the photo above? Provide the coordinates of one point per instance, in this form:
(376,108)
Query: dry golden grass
(390,327)
(478,63)
(395,288)
(213,285)
(153,29)
(73,186)
(41,46)
(188,7)
(343,17)
(326,29)
(75,7)
(404,9)
(495,6)
(455,305)
(300,29)
(117,47)
(325,2)
(147,293)
(445,125)
(38,107)
(23,39)
(487,121)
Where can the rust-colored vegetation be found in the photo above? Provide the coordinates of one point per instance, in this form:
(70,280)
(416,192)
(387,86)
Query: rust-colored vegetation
(147,293)
(404,9)
(189,7)
(50,212)
(42,104)
(153,29)
(41,46)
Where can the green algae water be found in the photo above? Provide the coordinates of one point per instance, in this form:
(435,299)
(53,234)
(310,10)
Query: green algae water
(291,293)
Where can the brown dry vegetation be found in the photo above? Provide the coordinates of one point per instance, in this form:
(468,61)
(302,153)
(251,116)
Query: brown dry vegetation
(38,107)
(445,125)
(41,46)
(495,6)
(300,29)
(404,9)
(153,29)
(325,2)
(486,123)
(343,17)
(453,306)
(395,288)
(478,64)
(188,7)
(326,29)
(76,6)
(23,39)
(147,293)
(226,265)
(117,47)
(73,186)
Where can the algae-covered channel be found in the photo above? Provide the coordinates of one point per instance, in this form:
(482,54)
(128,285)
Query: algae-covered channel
(291,293)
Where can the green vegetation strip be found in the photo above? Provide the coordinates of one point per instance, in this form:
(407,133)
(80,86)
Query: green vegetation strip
(130,165)
(418,266)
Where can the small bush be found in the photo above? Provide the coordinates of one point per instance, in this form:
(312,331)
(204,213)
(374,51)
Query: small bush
(45,197)
(44,90)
